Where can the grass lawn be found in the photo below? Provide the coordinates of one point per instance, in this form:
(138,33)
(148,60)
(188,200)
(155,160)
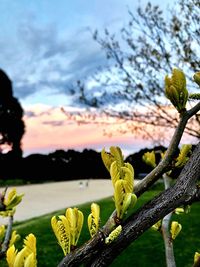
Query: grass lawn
(148,250)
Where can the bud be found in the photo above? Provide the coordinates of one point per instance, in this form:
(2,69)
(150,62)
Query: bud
(113,235)
(179,211)
(175,89)
(175,229)
(183,155)
(196,257)
(149,158)
(197,77)
(94,219)
(157,226)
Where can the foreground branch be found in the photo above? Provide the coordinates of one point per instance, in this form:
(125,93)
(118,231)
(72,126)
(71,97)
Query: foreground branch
(185,191)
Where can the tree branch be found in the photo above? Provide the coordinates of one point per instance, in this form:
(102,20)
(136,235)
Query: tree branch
(6,242)
(156,173)
(184,191)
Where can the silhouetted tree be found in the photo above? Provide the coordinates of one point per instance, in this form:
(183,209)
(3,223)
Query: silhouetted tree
(12,126)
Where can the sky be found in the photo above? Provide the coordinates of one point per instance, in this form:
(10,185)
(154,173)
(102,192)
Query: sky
(46,46)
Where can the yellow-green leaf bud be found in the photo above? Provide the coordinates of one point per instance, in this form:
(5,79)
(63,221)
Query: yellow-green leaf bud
(2,233)
(94,219)
(113,235)
(119,195)
(196,257)
(149,158)
(179,211)
(75,220)
(197,77)
(14,238)
(175,89)
(11,254)
(107,159)
(127,175)
(157,226)
(183,155)
(62,232)
(175,229)
(12,199)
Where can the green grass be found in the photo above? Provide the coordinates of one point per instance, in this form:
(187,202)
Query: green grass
(148,250)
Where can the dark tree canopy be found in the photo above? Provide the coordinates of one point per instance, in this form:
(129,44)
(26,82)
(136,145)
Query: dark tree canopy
(12,126)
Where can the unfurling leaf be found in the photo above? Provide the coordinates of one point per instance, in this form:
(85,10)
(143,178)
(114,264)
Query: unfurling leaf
(115,154)
(75,219)
(175,229)
(157,226)
(67,228)
(26,257)
(123,200)
(12,199)
(14,238)
(175,89)
(149,158)
(61,230)
(2,233)
(183,155)
(94,219)
(107,159)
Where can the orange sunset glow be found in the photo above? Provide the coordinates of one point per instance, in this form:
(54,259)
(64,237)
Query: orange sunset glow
(49,129)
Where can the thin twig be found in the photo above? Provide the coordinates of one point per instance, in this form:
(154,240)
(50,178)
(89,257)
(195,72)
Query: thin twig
(6,242)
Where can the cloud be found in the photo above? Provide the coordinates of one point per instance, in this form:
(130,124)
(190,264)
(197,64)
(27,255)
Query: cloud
(43,59)
(54,123)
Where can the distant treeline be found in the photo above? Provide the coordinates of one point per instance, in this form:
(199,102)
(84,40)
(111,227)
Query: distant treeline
(65,165)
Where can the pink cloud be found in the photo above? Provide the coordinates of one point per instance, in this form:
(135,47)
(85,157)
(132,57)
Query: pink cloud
(48,129)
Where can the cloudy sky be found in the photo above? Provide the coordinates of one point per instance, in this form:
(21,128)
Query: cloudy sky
(46,46)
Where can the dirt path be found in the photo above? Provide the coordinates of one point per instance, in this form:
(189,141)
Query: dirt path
(40,199)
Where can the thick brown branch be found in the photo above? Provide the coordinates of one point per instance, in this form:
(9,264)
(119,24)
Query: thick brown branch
(185,191)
